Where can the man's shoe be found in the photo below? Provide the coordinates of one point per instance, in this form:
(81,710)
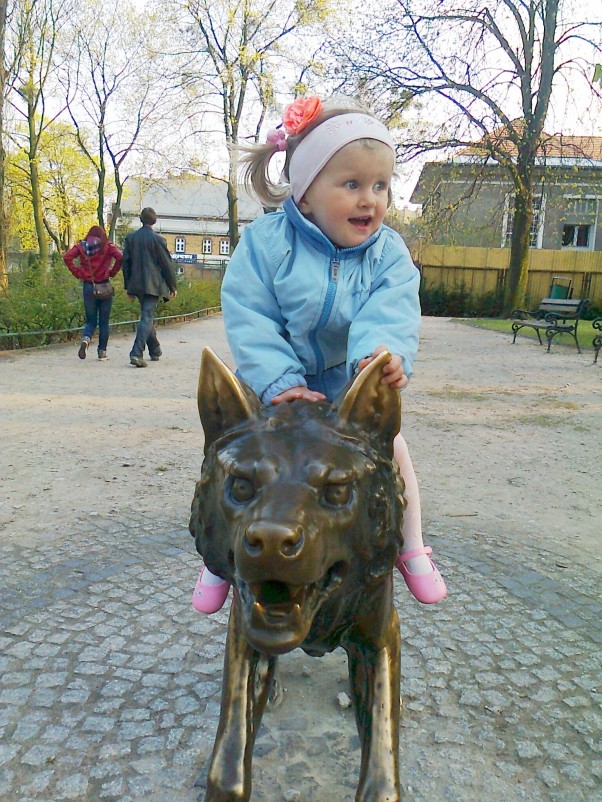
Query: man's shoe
(137,361)
(83,347)
(102,355)
(156,356)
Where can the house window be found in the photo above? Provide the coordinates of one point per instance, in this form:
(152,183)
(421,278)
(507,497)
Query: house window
(575,236)
(537,219)
(224,247)
(583,206)
(507,222)
(206,246)
(180,245)
(536,231)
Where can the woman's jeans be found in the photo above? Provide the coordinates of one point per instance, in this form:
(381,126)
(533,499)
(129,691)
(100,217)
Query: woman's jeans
(145,333)
(97,313)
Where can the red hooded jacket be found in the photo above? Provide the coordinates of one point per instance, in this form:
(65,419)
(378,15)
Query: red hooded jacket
(100,266)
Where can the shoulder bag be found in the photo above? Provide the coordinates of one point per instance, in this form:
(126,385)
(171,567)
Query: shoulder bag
(103,289)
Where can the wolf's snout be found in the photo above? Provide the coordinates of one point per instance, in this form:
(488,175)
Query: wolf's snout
(264,539)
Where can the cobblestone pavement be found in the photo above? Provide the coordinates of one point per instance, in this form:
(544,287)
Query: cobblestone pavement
(110,682)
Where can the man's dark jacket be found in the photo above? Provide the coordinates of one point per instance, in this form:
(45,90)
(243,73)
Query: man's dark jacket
(147,266)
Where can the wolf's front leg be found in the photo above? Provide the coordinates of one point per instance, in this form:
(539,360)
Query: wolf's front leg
(375,675)
(246,683)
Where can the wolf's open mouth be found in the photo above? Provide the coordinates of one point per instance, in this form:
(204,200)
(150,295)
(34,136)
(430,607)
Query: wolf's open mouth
(280,604)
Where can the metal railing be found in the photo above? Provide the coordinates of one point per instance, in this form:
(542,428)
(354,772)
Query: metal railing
(48,337)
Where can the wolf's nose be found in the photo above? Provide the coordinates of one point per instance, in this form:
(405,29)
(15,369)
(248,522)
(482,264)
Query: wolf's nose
(264,538)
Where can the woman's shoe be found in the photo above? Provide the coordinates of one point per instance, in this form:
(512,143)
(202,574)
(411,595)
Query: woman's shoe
(208,598)
(83,347)
(427,588)
(102,355)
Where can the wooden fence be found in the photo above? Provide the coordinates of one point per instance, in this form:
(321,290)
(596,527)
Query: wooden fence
(483,270)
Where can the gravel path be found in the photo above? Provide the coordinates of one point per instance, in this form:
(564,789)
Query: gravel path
(110,682)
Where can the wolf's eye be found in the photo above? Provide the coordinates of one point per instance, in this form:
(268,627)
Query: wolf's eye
(337,495)
(242,489)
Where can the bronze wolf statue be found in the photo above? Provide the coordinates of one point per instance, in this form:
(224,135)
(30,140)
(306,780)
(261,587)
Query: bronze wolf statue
(299,506)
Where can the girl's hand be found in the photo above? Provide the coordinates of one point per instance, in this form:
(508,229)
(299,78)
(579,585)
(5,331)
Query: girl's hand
(393,374)
(298,392)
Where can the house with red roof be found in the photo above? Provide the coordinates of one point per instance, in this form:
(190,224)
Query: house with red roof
(467,200)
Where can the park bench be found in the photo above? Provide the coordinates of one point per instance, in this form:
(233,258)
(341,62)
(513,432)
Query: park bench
(597,341)
(553,316)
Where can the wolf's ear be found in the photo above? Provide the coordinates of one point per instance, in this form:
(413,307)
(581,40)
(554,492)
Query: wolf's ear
(222,399)
(372,406)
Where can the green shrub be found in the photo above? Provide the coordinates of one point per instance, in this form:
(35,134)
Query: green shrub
(192,295)
(440,302)
(50,299)
(40,299)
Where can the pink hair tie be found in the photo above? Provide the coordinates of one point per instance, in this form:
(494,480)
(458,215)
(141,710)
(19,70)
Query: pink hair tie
(277,138)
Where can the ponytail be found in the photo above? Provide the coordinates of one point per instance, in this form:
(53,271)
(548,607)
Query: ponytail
(256,159)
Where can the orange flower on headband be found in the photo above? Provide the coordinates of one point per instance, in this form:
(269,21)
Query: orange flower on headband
(300,114)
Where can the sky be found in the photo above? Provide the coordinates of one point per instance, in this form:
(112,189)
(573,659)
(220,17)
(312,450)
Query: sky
(569,113)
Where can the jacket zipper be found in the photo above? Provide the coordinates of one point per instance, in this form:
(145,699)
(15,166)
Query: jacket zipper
(331,291)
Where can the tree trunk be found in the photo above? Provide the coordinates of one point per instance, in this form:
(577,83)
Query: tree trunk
(38,215)
(100,208)
(3,220)
(233,199)
(518,269)
(116,209)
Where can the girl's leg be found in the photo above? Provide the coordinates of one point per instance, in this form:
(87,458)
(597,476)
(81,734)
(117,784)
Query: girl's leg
(431,587)
(210,592)
(412,517)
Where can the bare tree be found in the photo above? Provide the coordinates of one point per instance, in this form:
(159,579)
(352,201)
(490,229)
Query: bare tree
(115,94)
(3,227)
(494,73)
(34,32)
(237,46)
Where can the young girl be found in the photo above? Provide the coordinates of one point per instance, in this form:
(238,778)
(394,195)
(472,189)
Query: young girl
(312,294)
(98,260)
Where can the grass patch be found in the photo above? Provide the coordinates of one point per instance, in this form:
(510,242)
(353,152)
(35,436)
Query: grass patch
(585,331)
(461,394)
(457,394)
(541,419)
(552,420)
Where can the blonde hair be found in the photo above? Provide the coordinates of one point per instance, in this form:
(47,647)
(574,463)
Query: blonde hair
(256,158)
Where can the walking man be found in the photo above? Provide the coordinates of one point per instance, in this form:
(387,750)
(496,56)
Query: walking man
(148,274)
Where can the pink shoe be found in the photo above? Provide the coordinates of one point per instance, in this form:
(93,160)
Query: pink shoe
(427,588)
(209,598)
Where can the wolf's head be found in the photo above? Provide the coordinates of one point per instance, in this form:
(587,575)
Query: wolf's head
(298,505)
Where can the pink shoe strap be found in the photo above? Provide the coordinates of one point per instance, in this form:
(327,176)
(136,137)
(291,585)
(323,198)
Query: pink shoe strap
(408,555)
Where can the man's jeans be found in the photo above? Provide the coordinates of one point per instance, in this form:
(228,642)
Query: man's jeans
(96,311)
(145,333)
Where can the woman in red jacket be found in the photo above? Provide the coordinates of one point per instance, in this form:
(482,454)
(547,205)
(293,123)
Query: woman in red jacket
(94,260)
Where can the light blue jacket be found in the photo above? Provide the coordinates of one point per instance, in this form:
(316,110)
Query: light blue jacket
(295,306)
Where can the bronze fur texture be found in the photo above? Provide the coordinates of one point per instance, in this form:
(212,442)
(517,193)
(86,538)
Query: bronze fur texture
(299,506)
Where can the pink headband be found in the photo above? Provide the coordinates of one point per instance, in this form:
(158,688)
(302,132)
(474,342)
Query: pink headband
(320,145)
